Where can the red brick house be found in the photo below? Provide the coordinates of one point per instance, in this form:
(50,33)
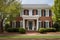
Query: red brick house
(34,16)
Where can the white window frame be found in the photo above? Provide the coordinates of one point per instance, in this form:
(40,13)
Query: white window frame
(46,24)
(14,24)
(47,12)
(22,23)
(39,12)
(40,24)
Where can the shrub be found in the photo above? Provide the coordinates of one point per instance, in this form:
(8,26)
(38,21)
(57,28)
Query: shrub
(22,30)
(50,29)
(13,30)
(10,30)
(7,26)
(42,30)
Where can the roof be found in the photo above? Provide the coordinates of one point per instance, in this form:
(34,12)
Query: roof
(36,6)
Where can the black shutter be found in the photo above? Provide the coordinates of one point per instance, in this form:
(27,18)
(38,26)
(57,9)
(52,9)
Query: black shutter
(44,25)
(32,12)
(27,12)
(44,12)
(36,12)
(49,24)
(24,12)
(50,12)
(10,23)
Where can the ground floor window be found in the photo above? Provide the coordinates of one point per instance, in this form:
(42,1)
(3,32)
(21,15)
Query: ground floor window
(46,24)
(14,24)
(18,24)
(39,24)
(21,23)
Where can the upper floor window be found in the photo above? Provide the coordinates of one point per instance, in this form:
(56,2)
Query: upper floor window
(43,12)
(26,12)
(35,12)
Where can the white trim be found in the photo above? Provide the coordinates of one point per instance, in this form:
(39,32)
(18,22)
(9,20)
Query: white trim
(39,12)
(47,12)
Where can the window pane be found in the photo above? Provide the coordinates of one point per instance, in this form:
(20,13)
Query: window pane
(21,24)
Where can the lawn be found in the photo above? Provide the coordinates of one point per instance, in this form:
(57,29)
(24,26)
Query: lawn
(29,36)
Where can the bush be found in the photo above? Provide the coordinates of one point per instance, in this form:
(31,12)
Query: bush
(42,30)
(50,29)
(7,26)
(22,30)
(13,30)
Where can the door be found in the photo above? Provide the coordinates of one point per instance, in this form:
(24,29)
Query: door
(30,25)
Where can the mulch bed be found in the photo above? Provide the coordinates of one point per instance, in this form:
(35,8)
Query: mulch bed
(27,39)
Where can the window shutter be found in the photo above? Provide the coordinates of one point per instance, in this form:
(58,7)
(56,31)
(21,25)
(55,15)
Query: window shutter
(44,24)
(50,13)
(36,12)
(49,24)
(27,12)
(42,12)
(11,23)
(33,12)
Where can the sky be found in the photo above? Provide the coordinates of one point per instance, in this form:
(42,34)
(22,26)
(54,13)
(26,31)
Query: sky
(50,2)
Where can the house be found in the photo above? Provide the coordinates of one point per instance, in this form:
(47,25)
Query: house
(34,16)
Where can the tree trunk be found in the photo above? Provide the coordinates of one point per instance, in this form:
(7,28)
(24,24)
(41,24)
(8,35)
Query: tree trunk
(1,26)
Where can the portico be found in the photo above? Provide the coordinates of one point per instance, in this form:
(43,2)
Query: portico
(30,23)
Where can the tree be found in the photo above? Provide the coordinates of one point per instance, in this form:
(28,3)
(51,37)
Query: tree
(56,10)
(9,9)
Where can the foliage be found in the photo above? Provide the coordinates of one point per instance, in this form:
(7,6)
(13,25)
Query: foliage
(57,26)
(56,11)
(22,30)
(13,29)
(44,30)
(9,9)
(7,26)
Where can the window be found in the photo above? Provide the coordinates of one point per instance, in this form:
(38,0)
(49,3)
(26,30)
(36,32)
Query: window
(39,24)
(46,24)
(14,24)
(47,12)
(21,23)
(18,24)
(44,12)
(26,12)
(35,12)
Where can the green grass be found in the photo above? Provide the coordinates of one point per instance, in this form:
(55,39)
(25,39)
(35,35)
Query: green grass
(29,36)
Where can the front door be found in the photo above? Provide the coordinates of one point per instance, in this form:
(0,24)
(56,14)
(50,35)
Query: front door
(30,25)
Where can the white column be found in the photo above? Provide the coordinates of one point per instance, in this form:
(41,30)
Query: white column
(37,25)
(27,25)
(24,23)
(30,12)
(39,12)
(33,25)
